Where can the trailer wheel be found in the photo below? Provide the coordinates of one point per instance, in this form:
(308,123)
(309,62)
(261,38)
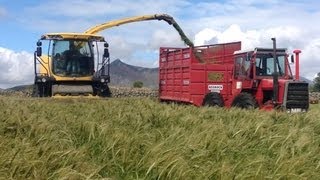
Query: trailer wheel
(213,99)
(244,101)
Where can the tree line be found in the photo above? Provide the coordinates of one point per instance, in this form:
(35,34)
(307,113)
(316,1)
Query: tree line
(316,83)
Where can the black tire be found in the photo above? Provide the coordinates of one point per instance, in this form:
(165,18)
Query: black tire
(244,101)
(42,90)
(213,99)
(105,91)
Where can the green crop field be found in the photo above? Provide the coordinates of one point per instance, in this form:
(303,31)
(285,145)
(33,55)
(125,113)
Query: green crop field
(140,138)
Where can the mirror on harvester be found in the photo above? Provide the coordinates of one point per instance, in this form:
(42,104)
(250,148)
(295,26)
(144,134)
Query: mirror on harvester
(39,49)
(106,50)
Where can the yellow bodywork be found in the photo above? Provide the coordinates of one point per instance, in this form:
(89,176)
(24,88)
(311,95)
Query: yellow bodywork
(58,96)
(76,36)
(169,19)
(90,35)
(44,66)
(110,24)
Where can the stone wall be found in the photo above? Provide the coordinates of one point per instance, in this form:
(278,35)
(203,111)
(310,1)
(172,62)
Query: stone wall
(116,92)
(133,92)
(314,97)
(124,92)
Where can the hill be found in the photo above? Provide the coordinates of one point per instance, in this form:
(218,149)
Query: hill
(123,74)
(21,88)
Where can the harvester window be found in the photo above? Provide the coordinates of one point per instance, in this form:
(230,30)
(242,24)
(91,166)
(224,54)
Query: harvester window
(72,58)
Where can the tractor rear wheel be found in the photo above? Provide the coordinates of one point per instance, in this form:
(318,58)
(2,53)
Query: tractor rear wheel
(244,101)
(213,99)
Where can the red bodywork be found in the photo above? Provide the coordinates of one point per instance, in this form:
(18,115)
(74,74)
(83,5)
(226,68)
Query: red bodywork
(188,74)
(183,78)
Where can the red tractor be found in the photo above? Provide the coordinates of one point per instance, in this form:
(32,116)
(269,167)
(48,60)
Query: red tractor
(224,75)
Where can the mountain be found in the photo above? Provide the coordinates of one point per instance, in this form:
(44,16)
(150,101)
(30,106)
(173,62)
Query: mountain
(21,88)
(123,74)
(306,80)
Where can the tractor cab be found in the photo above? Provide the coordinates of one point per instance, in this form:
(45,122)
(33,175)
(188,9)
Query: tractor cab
(260,63)
(266,74)
(266,65)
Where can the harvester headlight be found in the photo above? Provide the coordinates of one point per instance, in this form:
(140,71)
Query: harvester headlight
(43,80)
(102,80)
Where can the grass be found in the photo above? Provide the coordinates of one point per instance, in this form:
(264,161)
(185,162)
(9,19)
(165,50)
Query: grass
(140,138)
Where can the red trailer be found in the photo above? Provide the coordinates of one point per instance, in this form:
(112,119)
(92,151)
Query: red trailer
(223,75)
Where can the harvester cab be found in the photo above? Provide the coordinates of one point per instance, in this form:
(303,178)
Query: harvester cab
(71,66)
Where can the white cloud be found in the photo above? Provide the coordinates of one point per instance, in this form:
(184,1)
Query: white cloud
(253,22)
(254,14)
(16,68)
(168,38)
(249,39)
(120,48)
(286,38)
(206,36)
(310,59)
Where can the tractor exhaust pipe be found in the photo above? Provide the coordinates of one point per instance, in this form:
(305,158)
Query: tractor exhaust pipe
(297,52)
(275,73)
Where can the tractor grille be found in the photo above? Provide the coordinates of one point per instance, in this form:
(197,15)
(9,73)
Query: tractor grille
(297,96)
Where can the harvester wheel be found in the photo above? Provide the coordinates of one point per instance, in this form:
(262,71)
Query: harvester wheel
(244,101)
(105,92)
(213,99)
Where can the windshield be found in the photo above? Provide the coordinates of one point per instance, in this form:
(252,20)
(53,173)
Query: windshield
(265,64)
(72,58)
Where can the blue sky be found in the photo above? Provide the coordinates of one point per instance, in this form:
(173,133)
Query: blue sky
(12,30)
(294,23)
